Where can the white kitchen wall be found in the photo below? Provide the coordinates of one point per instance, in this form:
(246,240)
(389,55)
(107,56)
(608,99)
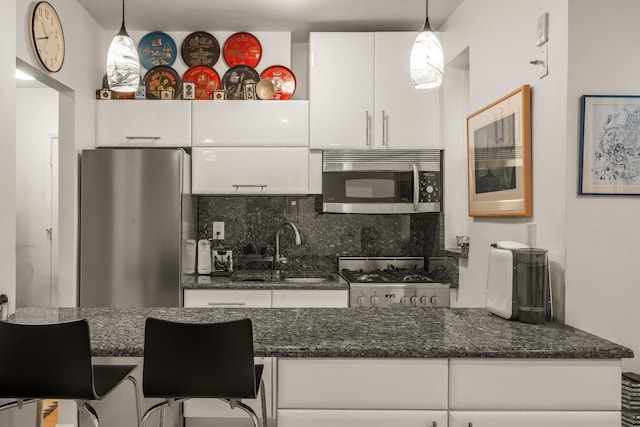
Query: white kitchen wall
(603,232)
(500,36)
(8,153)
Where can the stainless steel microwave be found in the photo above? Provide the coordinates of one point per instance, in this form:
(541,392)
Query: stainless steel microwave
(381,181)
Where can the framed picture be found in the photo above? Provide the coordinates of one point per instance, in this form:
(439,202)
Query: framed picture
(499,157)
(610,145)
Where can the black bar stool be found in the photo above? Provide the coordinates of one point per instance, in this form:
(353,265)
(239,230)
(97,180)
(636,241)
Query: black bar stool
(201,360)
(53,361)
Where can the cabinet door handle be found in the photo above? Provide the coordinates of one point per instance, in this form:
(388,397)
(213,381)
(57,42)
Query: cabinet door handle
(368,123)
(138,138)
(470,424)
(435,424)
(385,126)
(260,186)
(216,304)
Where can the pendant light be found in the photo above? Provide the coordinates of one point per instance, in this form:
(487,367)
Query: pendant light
(427,59)
(123,64)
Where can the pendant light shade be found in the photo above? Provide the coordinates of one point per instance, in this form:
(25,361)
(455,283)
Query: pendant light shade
(427,59)
(123,64)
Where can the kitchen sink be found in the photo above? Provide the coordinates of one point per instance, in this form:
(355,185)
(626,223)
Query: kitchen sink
(308,279)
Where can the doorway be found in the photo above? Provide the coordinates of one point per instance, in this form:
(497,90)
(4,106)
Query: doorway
(36,195)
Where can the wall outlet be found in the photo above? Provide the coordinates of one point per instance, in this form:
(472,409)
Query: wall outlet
(531,234)
(218,230)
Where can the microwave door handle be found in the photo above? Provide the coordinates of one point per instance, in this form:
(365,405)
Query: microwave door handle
(416,187)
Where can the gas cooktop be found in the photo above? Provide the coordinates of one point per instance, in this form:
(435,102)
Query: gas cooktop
(391,282)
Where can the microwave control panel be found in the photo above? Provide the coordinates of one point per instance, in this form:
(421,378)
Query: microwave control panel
(430,187)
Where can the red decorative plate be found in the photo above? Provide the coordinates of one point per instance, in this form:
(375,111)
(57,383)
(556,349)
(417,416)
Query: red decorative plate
(206,80)
(284,82)
(242,49)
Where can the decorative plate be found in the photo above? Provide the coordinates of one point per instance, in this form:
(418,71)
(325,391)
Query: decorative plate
(205,78)
(157,48)
(200,48)
(236,80)
(161,78)
(283,79)
(242,49)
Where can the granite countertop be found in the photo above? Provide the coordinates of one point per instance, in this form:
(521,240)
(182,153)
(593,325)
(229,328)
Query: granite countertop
(349,332)
(265,279)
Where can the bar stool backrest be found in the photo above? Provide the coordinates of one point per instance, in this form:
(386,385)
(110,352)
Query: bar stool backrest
(189,360)
(46,360)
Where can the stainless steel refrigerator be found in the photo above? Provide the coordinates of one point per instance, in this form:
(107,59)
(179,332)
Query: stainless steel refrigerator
(136,214)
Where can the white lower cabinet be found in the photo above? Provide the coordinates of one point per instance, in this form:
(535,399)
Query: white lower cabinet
(362,392)
(360,418)
(534,393)
(534,419)
(229,298)
(310,298)
(534,384)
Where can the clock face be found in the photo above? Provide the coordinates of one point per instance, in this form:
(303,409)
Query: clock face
(47,36)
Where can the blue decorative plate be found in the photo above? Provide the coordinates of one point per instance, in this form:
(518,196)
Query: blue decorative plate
(157,48)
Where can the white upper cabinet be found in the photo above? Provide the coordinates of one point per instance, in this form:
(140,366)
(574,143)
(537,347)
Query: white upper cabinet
(250,170)
(250,123)
(405,117)
(341,90)
(143,123)
(361,95)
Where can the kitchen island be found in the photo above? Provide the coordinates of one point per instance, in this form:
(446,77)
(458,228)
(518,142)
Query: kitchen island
(403,367)
(349,332)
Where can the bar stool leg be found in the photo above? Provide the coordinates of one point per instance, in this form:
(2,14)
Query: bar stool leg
(263,401)
(136,391)
(92,412)
(248,410)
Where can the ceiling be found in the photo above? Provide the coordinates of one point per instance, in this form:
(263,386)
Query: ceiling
(297,16)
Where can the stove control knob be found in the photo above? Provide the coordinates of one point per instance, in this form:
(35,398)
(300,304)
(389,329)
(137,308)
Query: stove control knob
(360,300)
(414,300)
(433,300)
(404,300)
(424,300)
(374,301)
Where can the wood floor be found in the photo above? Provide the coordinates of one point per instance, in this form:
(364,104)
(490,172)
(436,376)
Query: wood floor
(50,413)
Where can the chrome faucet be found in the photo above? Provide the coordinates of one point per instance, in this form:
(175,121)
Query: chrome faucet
(278,258)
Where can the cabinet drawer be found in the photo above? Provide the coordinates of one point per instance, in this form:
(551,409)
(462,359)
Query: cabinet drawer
(378,418)
(216,408)
(310,298)
(251,123)
(227,298)
(250,170)
(143,123)
(362,384)
(556,384)
(534,419)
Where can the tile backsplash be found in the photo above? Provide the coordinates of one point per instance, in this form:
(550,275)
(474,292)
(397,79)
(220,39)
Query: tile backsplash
(254,220)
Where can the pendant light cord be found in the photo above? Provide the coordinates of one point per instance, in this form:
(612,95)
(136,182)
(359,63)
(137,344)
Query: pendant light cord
(426,26)
(123,30)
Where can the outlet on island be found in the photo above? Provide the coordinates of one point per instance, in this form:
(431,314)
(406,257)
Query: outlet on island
(218,230)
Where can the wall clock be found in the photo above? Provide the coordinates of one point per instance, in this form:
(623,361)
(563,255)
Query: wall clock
(47,37)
